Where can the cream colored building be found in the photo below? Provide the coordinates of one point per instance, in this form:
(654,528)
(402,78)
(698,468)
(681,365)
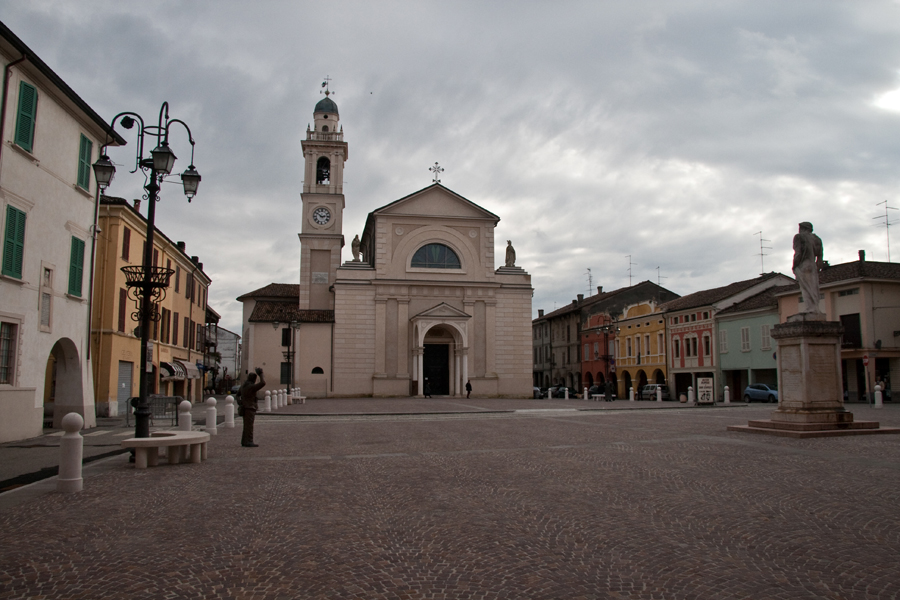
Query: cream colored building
(177,338)
(49,138)
(423,302)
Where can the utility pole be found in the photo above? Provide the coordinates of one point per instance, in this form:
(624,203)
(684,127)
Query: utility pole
(887,225)
(762,253)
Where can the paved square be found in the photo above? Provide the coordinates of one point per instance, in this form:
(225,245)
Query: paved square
(539,504)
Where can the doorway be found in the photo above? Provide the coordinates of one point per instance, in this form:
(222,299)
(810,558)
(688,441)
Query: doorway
(436,368)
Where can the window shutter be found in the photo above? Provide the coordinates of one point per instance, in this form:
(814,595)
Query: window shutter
(76,267)
(26,117)
(126,243)
(123,307)
(175,329)
(84,162)
(14,242)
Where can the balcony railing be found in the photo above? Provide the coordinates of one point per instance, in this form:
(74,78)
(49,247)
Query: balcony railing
(325,136)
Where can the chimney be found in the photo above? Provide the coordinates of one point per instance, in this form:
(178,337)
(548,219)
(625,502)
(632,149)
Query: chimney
(540,312)
(195,259)
(599,289)
(180,245)
(200,266)
(580,297)
(862,256)
(137,205)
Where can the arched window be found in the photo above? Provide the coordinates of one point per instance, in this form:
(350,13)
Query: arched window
(324,128)
(435,256)
(323,170)
(318,371)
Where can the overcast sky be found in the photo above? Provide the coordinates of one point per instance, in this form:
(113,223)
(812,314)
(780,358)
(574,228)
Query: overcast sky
(669,131)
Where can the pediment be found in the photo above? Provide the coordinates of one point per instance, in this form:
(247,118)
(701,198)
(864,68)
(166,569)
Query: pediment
(436,201)
(442,311)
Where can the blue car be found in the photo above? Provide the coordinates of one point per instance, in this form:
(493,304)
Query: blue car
(760,392)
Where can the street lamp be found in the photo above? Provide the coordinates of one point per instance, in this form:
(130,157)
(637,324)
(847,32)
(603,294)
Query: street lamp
(147,284)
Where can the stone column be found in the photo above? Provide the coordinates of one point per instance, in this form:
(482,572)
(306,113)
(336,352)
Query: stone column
(380,320)
(402,337)
(465,367)
(490,334)
(420,362)
(457,373)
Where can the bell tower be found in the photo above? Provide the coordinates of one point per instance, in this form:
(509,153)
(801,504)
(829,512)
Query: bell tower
(321,235)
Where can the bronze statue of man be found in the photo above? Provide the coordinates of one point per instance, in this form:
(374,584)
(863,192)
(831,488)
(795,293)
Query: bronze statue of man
(807,263)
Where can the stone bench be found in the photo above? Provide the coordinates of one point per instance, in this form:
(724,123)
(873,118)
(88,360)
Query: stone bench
(178,444)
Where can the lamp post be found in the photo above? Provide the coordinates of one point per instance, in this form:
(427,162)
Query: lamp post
(147,283)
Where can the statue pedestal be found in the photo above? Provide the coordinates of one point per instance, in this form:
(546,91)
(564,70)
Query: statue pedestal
(810,394)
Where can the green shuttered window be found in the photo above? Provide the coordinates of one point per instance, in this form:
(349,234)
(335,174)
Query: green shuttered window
(26,117)
(14,242)
(76,267)
(84,163)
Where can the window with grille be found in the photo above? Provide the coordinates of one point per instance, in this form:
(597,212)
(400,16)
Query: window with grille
(435,256)
(8,340)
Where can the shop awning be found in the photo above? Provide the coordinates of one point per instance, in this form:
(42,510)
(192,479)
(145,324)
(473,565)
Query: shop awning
(189,368)
(171,370)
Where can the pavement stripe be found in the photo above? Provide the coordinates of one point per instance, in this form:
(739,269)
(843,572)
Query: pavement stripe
(96,433)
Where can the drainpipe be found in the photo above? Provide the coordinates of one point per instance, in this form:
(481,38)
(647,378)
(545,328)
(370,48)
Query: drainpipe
(6,75)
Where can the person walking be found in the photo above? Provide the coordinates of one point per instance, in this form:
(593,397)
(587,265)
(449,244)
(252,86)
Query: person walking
(249,405)
(469,389)
(427,390)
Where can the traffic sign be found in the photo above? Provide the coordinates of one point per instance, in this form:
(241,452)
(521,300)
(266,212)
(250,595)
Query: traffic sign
(865,360)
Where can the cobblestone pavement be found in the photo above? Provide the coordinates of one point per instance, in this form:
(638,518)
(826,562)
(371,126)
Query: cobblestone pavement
(564,504)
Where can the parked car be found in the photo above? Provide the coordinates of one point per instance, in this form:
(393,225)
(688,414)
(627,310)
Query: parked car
(536,391)
(649,391)
(601,390)
(761,392)
(559,391)
(235,389)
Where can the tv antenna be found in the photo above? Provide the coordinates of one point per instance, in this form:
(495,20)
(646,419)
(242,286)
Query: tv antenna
(887,225)
(659,277)
(590,281)
(630,264)
(762,252)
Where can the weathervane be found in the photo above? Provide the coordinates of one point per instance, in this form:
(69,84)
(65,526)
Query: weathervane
(437,170)
(325,85)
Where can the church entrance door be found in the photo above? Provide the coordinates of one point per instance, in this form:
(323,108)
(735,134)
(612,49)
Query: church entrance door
(436,368)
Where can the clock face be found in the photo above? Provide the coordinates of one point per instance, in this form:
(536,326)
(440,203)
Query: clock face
(321,215)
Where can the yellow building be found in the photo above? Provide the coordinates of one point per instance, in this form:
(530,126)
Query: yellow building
(641,348)
(178,338)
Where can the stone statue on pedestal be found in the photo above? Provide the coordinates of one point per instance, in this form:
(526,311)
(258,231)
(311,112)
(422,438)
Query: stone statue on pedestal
(510,254)
(354,246)
(807,264)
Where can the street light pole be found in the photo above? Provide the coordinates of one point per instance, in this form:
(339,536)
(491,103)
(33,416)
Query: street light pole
(147,283)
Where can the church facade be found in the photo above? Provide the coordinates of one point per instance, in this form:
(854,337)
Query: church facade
(419,310)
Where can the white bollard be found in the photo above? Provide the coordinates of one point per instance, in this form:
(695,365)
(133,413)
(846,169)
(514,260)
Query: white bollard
(229,412)
(659,394)
(184,416)
(71,451)
(585,396)
(879,403)
(727,395)
(690,394)
(267,407)
(282,398)
(566,393)
(211,416)
(631,393)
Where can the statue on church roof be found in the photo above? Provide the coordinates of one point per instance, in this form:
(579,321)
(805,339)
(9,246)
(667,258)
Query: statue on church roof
(510,254)
(354,246)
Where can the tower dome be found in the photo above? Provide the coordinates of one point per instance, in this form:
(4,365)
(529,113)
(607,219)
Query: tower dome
(326,105)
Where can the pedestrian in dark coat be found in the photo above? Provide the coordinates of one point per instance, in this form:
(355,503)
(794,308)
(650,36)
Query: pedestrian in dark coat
(468,389)
(250,405)
(427,390)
